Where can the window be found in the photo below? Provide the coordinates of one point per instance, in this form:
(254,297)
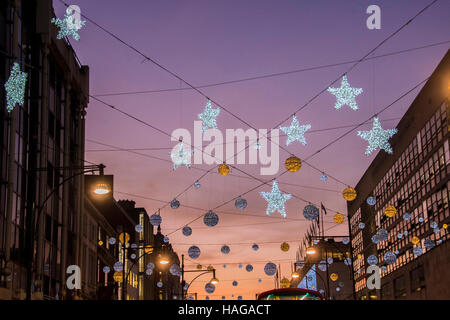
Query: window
(417,277)
(400,287)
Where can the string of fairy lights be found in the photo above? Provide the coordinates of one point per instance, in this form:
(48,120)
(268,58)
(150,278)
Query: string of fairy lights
(377,137)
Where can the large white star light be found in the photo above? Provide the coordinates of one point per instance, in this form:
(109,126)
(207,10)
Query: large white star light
(377,137)
(345,95)
(295,131)
(70,24)
(208,117)
(275,200)
(181,157)
(15,87)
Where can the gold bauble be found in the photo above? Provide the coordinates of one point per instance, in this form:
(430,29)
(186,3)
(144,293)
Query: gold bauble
(118,276)
(339,218)
(224,169)
(293,164)
(349,194)
(148,249)
(445,226)
(210,268)
(415,240)
(334,276)
(199,267)
(390,211)
(284,246)
(100,243)
(285,283)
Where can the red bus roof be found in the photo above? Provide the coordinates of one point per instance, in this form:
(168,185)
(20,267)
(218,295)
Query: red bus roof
(289,290)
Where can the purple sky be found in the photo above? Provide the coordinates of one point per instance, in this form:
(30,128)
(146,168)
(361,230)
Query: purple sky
(208,41)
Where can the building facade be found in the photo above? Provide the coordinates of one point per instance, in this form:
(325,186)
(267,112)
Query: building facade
(39,213)
(414,180)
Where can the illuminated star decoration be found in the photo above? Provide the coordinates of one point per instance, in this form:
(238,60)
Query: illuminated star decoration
(295,131)
(15,87)
(275,200)
(181,157)
(345,95)
(377,137)
(208,117)
(68,26)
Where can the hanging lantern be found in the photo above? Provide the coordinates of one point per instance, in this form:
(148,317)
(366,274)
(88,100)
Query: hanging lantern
(293,164)
(284,247)
(240,203)
(415,240)
(210,219)
(334,276)
(349,194)
(175,204)
(285,283)
(339,218)
(223,169)
(118,276)
(390,211)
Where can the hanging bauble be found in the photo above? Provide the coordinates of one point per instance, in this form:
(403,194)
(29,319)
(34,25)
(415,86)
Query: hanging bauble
(330,260)
(134,246)
(240,203)
(150,265)
(284,247)
(175,204)
(285,283)
(406,216)
(199,267)
(371,201)
(225,249)
(428,243)
(234,283)
(417,251)
(390,211)
(196,184)
(349,194)
(389,257)
(159,284)
(194,252)
(210,268)
(155,219)
(149,272)
(187,231)
(255,247)
(445,226)
(166,239)
(293,164)
(133,256)
(118,276)
(361,225)
(175,270)
(415,240)
(434,225)
(334,276)
(322,265)
(372,260)
(139,228)
(118,266)
(339,218)
(249,268)
(210,288)
(270,269)
(310,212)
(112,241)
(106,269)
(223,169)
(240,266)
(210,219)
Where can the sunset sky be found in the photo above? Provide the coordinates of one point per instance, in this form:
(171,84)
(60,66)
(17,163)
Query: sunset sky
(213,41)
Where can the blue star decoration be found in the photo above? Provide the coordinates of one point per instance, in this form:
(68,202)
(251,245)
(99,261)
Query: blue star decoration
(275,200)
(295,131)
(181,157)
(68,26)
(345,95)
(208,117)
(15,87)
(377,137)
